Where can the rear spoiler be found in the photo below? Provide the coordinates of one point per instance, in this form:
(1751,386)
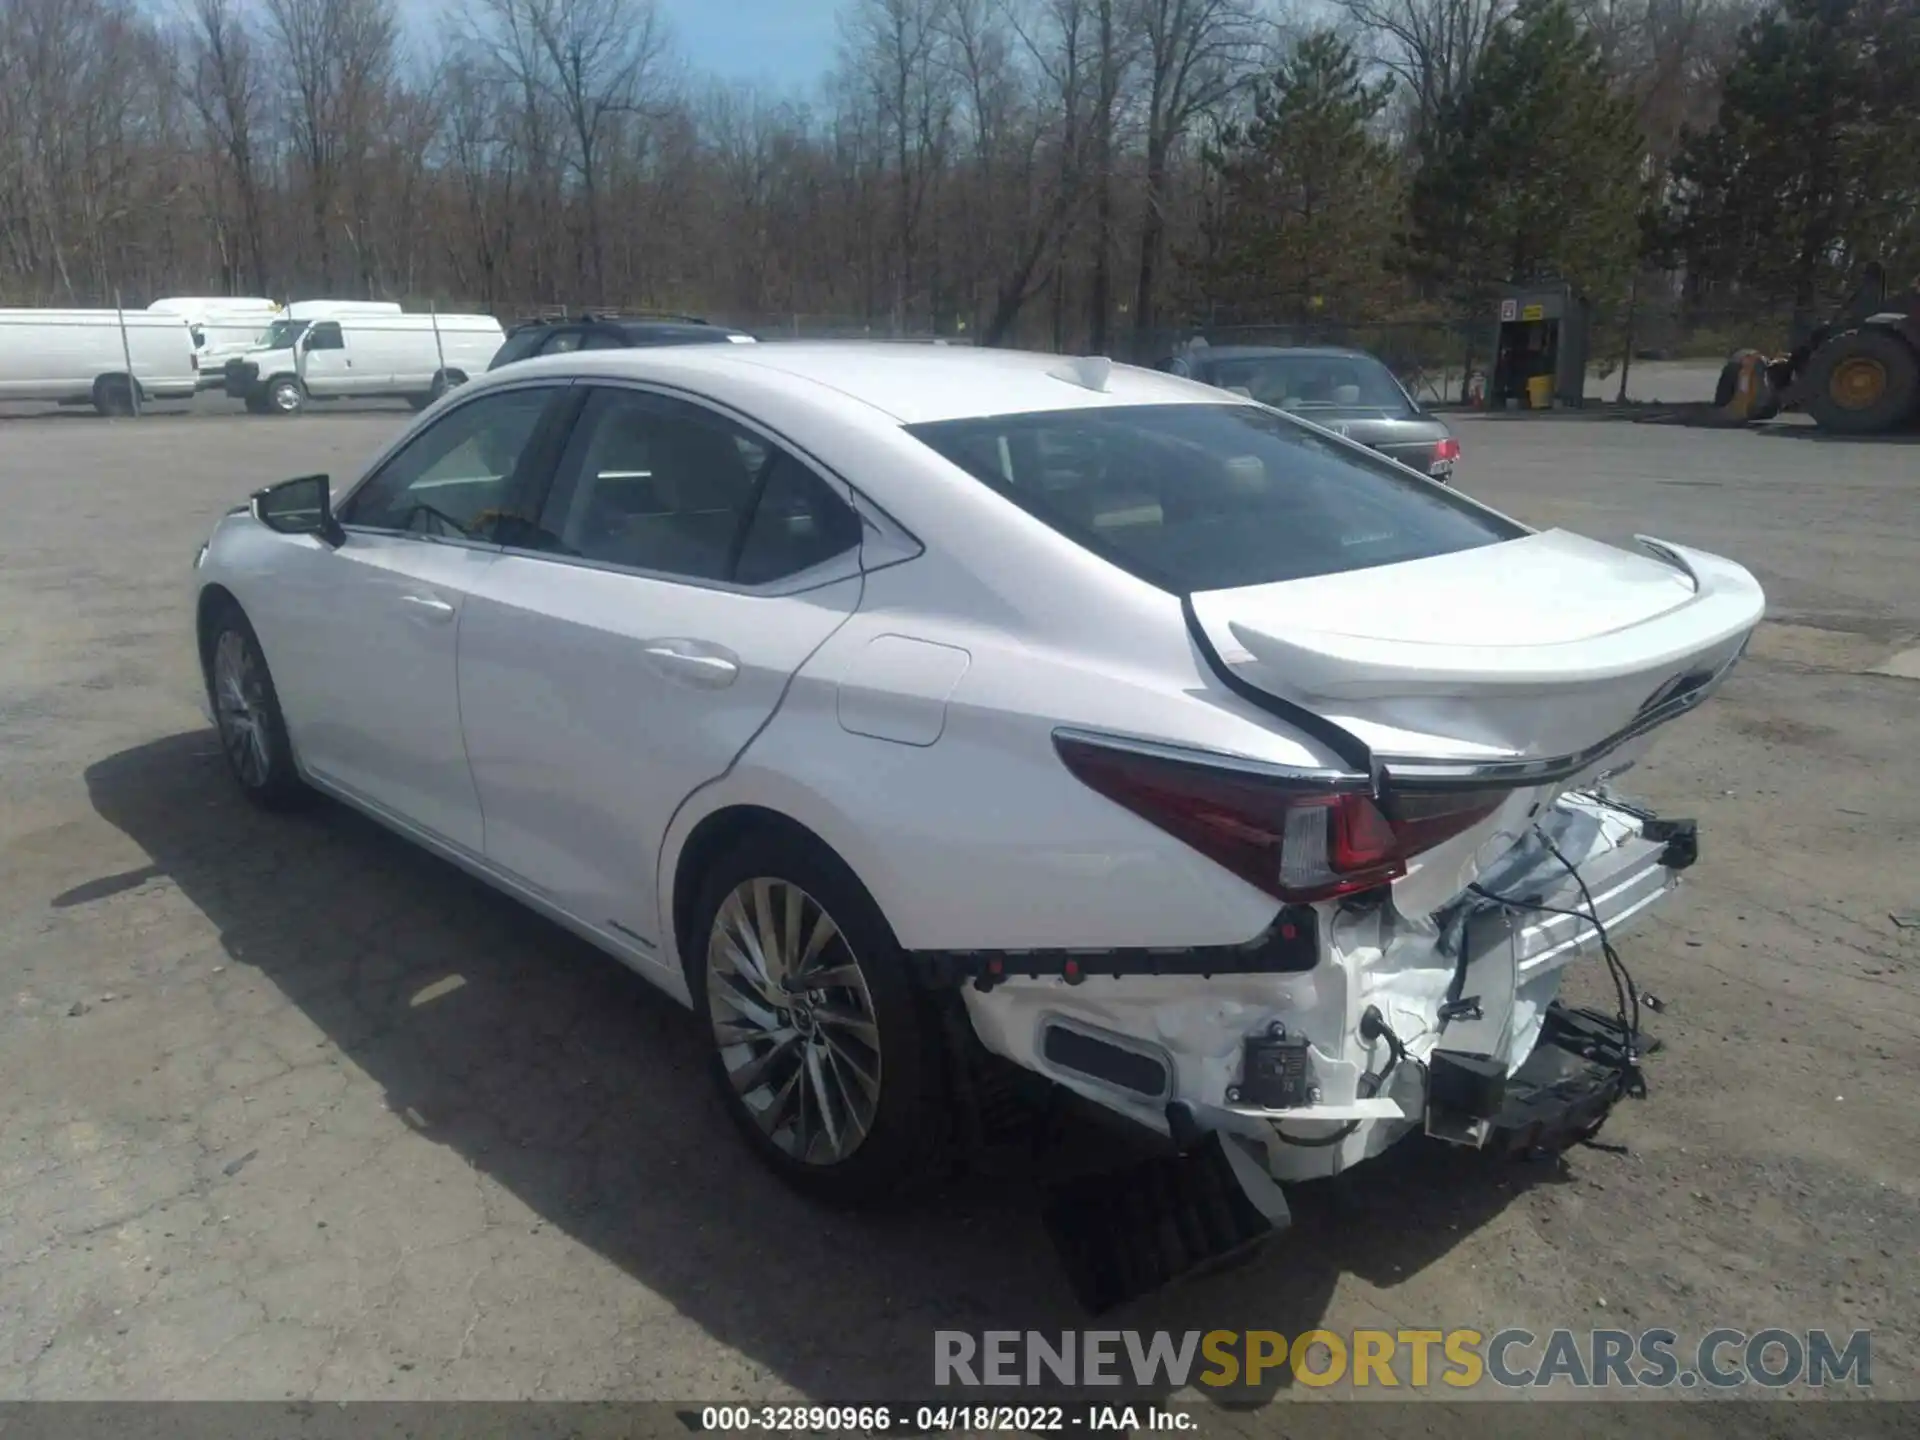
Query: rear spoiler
(1389,663)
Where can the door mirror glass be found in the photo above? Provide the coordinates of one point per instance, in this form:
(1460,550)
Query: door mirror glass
(301,506)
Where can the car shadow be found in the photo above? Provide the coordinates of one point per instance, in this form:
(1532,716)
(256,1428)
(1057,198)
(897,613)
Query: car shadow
(582,1090)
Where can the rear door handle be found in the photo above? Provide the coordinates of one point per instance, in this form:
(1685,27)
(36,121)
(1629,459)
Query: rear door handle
(694,662)
(430,608)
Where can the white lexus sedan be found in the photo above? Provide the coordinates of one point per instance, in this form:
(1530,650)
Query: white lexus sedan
(892,704)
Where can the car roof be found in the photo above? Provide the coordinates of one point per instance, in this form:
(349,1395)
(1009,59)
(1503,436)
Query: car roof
(912,384)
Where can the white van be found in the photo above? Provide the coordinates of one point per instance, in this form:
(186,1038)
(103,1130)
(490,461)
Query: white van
(80,357)
(333,309)
(222,326)
(355,356)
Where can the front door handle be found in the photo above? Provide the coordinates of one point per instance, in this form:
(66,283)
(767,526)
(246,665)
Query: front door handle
(429,607)
(694,662)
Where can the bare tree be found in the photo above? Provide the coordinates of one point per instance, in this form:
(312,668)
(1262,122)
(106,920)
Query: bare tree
(224,83)
(484,161)
(1197,53)
(898,47)
(605,56)
(1051,159)
(335,59)
(1430,46)
(1113,58)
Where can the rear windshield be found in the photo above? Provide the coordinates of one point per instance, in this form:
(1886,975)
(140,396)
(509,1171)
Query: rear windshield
(519,345)
(1311,382)
(1209,497)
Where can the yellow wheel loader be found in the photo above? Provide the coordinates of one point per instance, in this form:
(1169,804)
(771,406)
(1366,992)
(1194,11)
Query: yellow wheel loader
(1858,374)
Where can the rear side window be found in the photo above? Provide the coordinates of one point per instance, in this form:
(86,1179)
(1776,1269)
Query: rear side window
(796,525)
(519,346)
(1210,497)
(656,484)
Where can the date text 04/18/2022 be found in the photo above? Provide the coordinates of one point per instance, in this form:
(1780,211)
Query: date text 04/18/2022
(942,1419)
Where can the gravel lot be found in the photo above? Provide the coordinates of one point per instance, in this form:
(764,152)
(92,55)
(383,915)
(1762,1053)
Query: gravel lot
(288,1109)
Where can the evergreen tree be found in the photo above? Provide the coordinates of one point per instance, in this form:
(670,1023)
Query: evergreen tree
(1305,190)
(1813,164)
(1533,170)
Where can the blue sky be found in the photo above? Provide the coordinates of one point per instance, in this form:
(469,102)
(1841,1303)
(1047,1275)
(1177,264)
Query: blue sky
(789,43)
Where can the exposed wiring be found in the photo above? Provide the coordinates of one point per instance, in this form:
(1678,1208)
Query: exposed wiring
(1626,996)
(1373,1026)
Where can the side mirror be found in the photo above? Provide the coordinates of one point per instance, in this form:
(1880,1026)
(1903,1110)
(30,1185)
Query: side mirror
(301,506)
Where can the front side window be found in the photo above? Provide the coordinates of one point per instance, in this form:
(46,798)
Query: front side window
(1209,497)
(456,479)
(561,342)
(656,484)
(326,336)
(281,334)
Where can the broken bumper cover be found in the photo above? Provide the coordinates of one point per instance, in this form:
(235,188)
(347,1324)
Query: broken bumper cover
(1164,1038)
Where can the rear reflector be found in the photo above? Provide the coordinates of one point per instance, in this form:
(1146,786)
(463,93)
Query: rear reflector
(1299,839)
(1115,1065)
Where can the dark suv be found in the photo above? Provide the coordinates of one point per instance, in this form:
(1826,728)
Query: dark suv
(610,332)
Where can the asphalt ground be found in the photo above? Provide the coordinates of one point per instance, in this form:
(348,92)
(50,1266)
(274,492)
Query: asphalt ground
(290,1110)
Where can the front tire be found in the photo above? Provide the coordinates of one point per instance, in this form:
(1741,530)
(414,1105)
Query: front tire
(1863,382)
(286,395)
(823,1054)
(246,709)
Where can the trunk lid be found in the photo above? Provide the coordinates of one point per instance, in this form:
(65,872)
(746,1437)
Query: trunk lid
(1530,666)
(1531,650)
(1409,438)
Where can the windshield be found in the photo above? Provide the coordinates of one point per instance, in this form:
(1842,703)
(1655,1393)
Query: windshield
(1209,497)
(1311,382)
(281,334)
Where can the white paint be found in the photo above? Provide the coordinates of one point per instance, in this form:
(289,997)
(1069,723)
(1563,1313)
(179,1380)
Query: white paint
(561,729)
(897,689)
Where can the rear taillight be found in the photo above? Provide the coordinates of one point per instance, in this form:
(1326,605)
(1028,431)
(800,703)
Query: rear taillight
(1298,839)
(1448,449)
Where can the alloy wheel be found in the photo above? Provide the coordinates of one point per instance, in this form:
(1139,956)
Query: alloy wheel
(239,700)
(793,1020)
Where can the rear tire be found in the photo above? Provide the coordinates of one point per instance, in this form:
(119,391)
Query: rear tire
(246,708)
(838,1085)
(1863,382)
(113,395)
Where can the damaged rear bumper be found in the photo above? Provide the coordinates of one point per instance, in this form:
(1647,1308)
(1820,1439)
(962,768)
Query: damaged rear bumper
(1265,1045)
